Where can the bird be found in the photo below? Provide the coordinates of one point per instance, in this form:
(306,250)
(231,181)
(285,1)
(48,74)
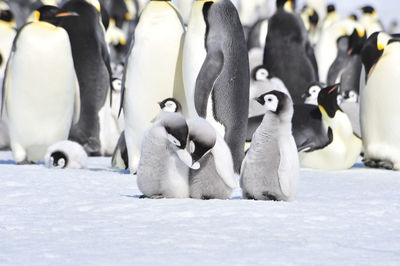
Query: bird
(66,154)
(163,169)
(311,94)
(271,169)
(370,20)
(288,53)
(212,175)
(40,92)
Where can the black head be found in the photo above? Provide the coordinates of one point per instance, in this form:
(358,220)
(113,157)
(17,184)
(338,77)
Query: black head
(177,129)
(313,89)
(202,138)
(353,17)
(59,159)
(52,14)
(356,41)
(331,8)
(368,10)
(287,4)
(6,15)
(371,52)
(313,18)
(327,100)
(170,105)
(273,101)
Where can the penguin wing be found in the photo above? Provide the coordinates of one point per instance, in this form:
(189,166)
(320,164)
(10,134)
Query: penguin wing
(124,78)
(209,73)
(77,101)
(6,85)
(105,54)
(224,162)
(311,56)
(289,168)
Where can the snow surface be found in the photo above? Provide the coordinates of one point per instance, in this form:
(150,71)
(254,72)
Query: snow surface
(95,217)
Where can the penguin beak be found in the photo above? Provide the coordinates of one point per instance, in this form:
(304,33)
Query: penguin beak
(67,14)
(37,15)
(360,32)
(260,100)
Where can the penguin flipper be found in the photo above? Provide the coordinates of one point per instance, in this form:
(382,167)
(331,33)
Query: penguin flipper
(209,73)
(77,101)
(224,162)
(6,85)
(252,124)
(311,56)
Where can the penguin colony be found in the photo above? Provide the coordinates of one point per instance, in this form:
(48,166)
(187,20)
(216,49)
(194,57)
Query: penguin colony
(194,95)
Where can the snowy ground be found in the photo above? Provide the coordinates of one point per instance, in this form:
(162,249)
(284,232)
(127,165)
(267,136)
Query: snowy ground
(94,217)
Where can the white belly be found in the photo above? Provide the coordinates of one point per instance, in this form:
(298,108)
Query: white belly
(152,71)
(40,89)
(380,109)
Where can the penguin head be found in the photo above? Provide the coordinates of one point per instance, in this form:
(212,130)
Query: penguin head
(51,14)
(368,10)
(350,96)
(278,103)
(202,138)
(58,159)
(313,18)
(330,9)
(116,84)
(6,15)
(353,17)
(170,105)
(356,41)
(313,90)
(176,129)
(373,50)
(287,5)
(327,100)
(260,73)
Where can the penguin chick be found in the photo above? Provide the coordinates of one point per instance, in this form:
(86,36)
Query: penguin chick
(66,154)
(212,174)
(163,169)
(271,167)
(311,95)
(120,155)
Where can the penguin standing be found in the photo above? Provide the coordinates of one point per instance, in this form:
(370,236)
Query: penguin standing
(370,20)
(163,169)
(325,139)
(222,86)
(379,103)
(288,52)
(194,52)
(271,167)
(40,90)
(92,65)
(153,71)
(215,176)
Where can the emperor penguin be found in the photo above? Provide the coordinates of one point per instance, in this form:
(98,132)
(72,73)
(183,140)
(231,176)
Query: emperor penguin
(379,108)
(7,33)
(40,89)
(194,52)
(288,53)
(346,69)
(92,65)
(66,154)
(257,35)
(370,20)
(163,169)
(120,156)
(250,12)
(331,17)
(310,19)
(311,94)
(222,86)
(161,21)
(342,149)
(212,176)
(271,169)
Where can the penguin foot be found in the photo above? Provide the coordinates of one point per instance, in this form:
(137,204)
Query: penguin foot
(157,196)
(143,197)
(269,196)
(378,164)
(248,196)
(24,162)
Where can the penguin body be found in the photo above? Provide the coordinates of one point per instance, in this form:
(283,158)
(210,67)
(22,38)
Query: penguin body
(194,53)
(257,34)
(7,33)
(288,53)
(351,106)
(40,92)
(215,177)
(379,108)
(163,169)
(343,148)
(92,65)
(222,87)
(370,20)
(66,154)
(161,21)
(271,167)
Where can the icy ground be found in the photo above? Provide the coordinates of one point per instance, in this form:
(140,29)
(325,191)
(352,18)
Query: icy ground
(94,217)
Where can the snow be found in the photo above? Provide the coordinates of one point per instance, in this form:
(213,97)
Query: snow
(95,217)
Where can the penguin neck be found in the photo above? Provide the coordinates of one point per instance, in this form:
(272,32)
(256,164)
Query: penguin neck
(266,132)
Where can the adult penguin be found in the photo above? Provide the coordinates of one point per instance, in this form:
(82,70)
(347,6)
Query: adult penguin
(194,52)
(222,87)
(379,103)
(346,68)
(288,53)
(325,139)
(92,65)
(7,33)
(161,21)
(370,20)
(40,89)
